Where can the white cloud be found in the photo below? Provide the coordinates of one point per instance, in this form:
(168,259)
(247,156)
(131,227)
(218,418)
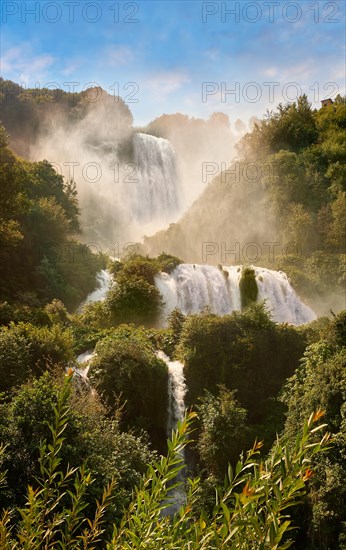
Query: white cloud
(271,71)
(165,83)
(70,69)
(116,56)
(21,65)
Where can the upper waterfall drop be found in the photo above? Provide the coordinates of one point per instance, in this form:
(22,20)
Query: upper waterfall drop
(156,194)
(191,287)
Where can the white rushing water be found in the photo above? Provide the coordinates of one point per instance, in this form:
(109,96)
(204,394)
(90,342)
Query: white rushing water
(176,392)
(156,192)
(191,287)
(104,280)
(176,410)
(83,361)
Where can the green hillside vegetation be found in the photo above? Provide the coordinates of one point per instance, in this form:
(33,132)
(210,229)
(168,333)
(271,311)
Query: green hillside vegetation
(41,258)
(235,367)
(28,112)
(288,186)
(126,368)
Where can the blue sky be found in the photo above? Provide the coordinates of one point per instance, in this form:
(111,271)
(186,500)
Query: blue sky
(266,51)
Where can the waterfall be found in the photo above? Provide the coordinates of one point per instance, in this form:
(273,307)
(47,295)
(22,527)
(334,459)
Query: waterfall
(104,280)
(155,195)
(176,409)
(191,287)
(83,361)
(284,303)
(176,391)
(82,370)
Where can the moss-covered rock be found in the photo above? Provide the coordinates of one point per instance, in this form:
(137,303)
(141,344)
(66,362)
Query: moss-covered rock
(248,287)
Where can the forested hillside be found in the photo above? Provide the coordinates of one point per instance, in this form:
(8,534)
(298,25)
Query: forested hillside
(259,458)
(282,204)
(41,257)
(248,378)
(28,112)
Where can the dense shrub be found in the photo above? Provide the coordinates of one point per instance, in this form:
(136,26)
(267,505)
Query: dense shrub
(126,367)
(245,351)
(26,350)
(133,300)
(14,359)
(223,434)
(320,382)
(134,297)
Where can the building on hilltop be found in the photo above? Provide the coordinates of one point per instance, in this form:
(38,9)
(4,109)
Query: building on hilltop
(326,102)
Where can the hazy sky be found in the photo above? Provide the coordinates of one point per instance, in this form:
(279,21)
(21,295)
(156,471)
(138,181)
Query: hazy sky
(179,56)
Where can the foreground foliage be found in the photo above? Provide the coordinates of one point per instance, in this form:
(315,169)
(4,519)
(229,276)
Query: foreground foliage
(91,435)
(251,509)
(320,383)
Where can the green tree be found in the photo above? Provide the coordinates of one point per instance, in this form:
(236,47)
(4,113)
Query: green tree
(126,367)
(245,351)
(223,434)
(27,350)
(134,300)
(14,359)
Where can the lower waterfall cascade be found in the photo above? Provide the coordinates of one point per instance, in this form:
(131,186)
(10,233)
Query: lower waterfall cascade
(190,288)
(104,280)
(176,391)
(176,410)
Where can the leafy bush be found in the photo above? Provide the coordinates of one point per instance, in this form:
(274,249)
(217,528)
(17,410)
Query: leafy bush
(125,366)
(14,359)
(134,297)
(133,300)
(244,351)
(320,382)
(223,433)
(27,350)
